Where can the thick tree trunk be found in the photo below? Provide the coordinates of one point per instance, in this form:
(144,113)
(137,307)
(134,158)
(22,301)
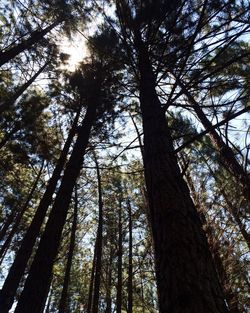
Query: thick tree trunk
(99,239)
(35,37)
(35,289)
(64,295)
(17,269)
(227,157)
(185,273)
(20,214)
(119,265)
(130,258)
(4,106)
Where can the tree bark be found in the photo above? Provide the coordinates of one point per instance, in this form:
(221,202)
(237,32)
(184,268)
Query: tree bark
(35,37)
(99,240)
(185,273)
(64,295)
(35,287)
(119,261)
(17,269)
(130,257)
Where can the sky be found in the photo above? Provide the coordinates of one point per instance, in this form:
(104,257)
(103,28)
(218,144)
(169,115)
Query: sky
(77,50)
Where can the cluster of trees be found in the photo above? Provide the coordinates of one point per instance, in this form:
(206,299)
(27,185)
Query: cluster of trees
(125,184)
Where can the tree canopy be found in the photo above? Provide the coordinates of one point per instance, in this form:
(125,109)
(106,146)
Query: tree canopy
(125,182)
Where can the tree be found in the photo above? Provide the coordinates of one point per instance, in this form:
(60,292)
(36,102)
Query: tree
(158,220)
(63,300)
(17,269)
(92,84)
(169,198)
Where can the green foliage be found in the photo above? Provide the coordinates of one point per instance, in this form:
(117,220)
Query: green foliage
(201,43)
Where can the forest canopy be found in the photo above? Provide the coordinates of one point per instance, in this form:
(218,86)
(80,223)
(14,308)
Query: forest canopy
(124,156)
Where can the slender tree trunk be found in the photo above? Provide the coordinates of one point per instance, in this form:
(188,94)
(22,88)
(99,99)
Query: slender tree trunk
(142,293)
(185,273)
(130,257)
(245,234)
(35,37)
(109,283)
(231,207)
(17,269)
(227,157)
(235,214)
(91,282)
(119,274)
(21,90)
(99,240)
(23,209)
(6,224)
(138,133)
(47,310)
(41,268)
(230,295)
(64,295)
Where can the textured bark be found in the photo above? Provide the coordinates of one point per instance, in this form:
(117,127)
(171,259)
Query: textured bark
(119,265)
(66,281)
(185,273)
(35,37)
(226,155)
(99,239)
(130,257)
(17,269)
(20,214)
(21,90)
(35,288)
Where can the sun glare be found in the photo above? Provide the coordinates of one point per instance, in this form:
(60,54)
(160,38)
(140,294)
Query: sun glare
(76,49)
